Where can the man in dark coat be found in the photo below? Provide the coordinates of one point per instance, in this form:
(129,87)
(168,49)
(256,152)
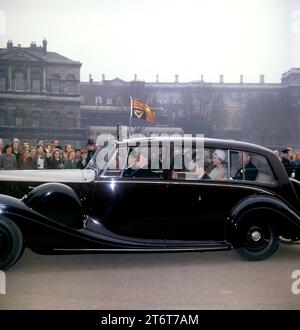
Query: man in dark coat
(91,149)
(288,164)
(83,161)
(248,171)
(141,169)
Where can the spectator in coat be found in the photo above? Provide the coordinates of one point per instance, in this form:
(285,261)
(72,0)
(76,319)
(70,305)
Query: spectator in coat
(31,163)
(83,162)
(56,161)
(71,162)
(289,165)
(40,158)
(8,159)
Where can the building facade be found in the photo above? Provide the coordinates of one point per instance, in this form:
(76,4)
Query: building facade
(39,94)
(264,113)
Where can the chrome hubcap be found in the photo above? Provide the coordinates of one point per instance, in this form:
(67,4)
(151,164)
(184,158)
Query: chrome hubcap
(255,235)
(258,238)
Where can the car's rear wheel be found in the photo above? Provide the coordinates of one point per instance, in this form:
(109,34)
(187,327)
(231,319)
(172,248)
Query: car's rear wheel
(11,243)
(258,242)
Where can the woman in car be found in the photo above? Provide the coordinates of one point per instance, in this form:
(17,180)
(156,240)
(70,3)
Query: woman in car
(219,172)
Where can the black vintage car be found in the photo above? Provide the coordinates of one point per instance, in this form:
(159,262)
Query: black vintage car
(153,195)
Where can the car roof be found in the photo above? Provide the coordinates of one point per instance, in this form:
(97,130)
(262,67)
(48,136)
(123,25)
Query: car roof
(208,142)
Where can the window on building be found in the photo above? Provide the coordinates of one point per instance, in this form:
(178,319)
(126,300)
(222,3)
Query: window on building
(109,101)
(70,120)
(27,121)
(19,81)
(36,85)
(35,119)
(2,84)
(54,120)
(98,100)
(82,99)
(70,85)
(18,121)
(119,101)
(55,84)
(3,117)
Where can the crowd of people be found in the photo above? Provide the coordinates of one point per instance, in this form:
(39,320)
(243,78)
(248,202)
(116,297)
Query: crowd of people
(291,162)
(23,156)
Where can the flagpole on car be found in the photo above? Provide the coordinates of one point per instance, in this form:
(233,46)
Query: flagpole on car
(131,111)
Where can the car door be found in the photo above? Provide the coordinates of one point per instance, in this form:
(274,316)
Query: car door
(130,201)
(132,208)
(197,210)
(200,198)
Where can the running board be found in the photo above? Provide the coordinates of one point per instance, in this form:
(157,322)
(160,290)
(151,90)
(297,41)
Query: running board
(166,249)
(199,245)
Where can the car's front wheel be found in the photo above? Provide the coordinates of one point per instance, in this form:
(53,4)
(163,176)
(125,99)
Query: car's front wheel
(11,243)
(258,242)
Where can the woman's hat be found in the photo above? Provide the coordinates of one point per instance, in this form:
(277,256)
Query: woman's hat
(220,154)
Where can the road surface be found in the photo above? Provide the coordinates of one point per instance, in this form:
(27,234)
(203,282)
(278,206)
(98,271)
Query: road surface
(212,280)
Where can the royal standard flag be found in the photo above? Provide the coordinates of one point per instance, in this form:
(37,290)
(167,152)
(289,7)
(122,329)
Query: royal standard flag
(143,111)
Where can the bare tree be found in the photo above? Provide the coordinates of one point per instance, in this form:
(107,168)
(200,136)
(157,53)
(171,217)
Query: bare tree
(268,119)
(203,110)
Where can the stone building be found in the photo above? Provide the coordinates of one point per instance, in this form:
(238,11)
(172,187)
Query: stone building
(264,113)
(39,94)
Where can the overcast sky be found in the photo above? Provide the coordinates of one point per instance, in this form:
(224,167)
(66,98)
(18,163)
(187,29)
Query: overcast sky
(165,37)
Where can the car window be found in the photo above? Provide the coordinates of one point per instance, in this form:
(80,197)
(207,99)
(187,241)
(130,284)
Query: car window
(139,161)
(250,167)
(116,162)
(213,164)
(202,164)
(154,161)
